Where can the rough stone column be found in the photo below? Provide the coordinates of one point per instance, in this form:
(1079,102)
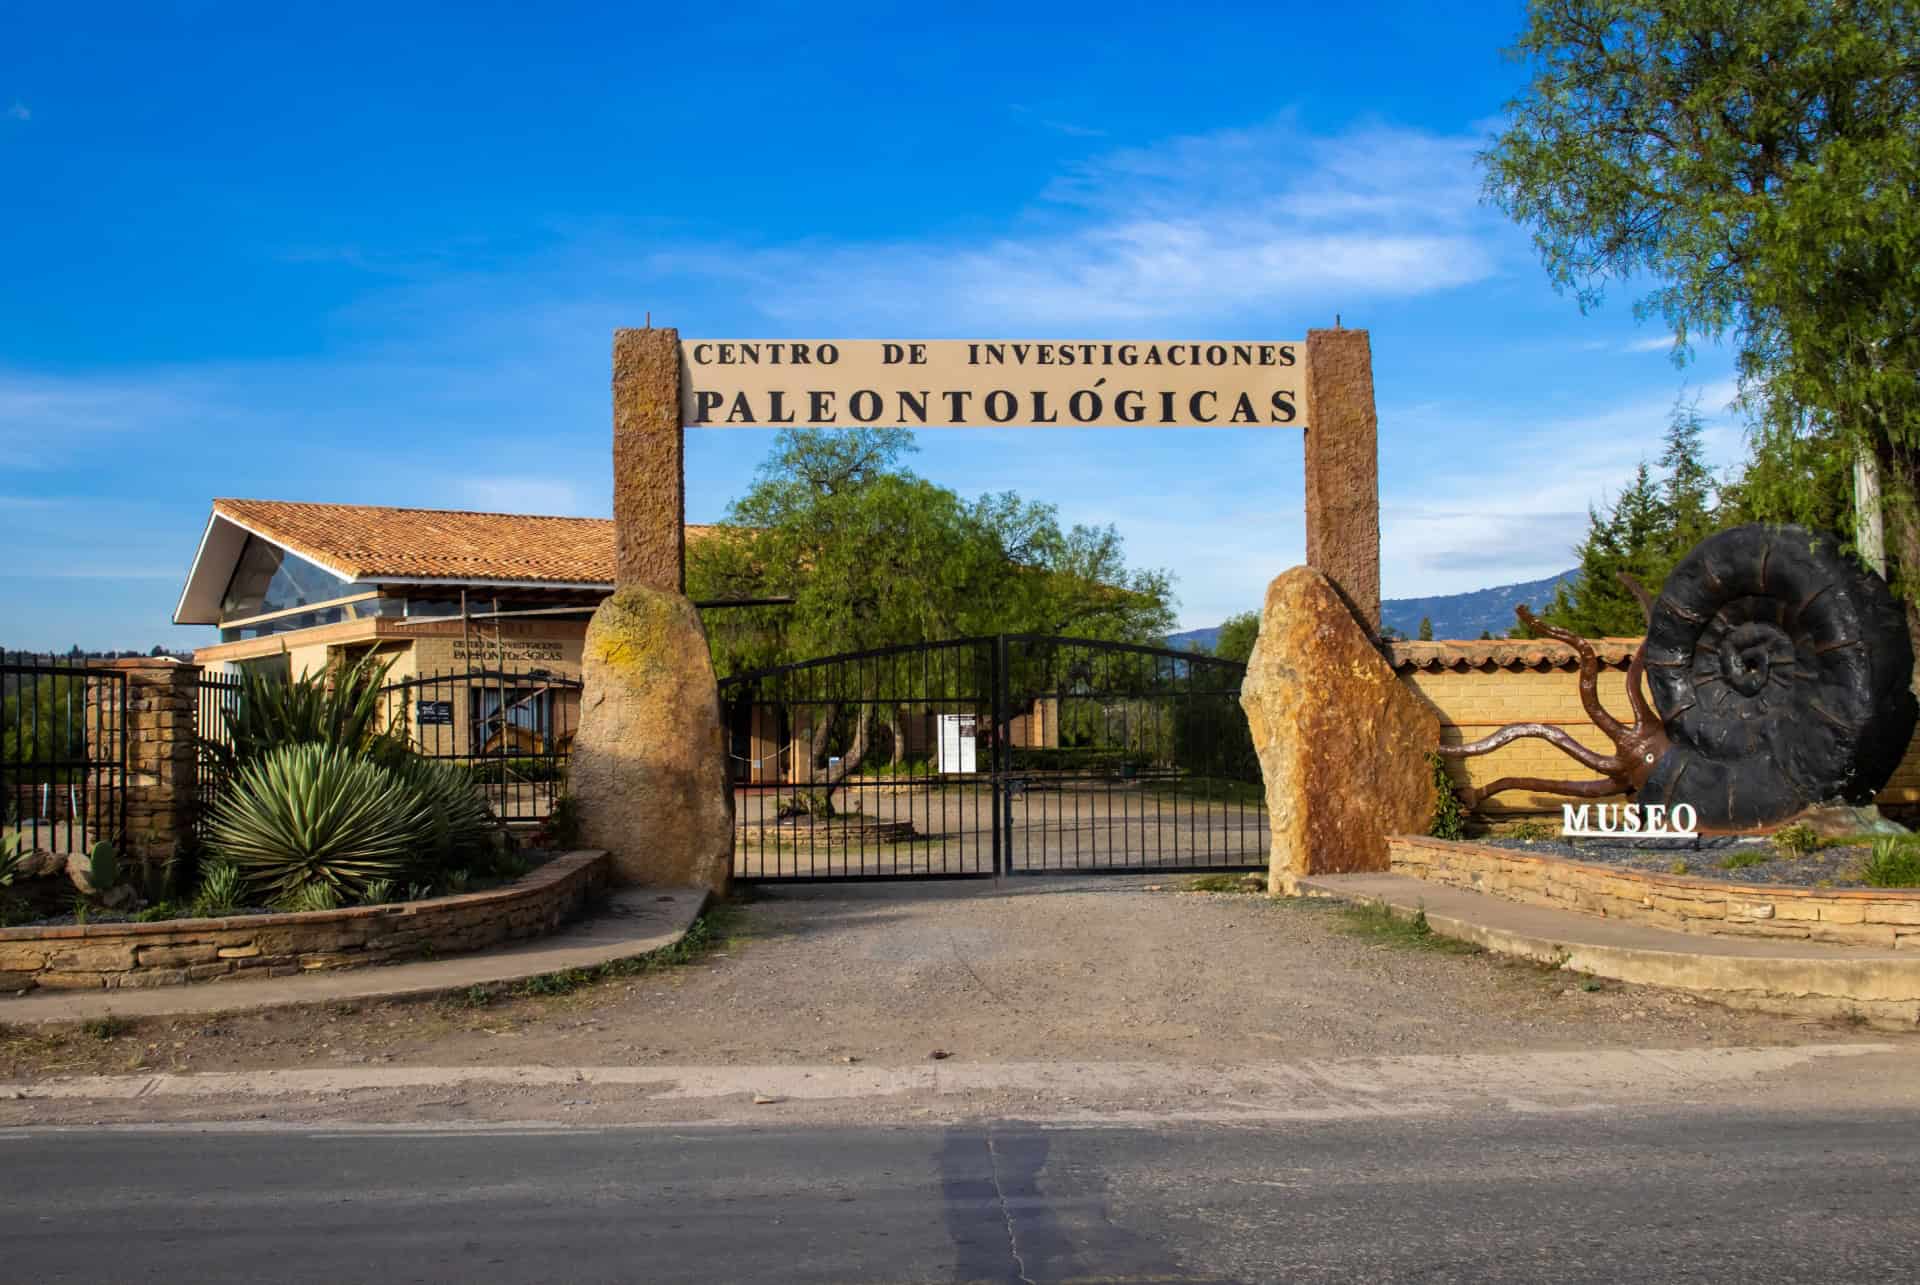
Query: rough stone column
(650,756)
(160,778)
(1343,469)
(649,461)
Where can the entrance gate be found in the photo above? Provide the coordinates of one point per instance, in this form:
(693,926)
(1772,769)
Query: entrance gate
(978,757)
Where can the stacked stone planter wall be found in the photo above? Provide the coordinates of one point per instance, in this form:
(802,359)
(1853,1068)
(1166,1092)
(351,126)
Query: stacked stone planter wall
(1867,917)
(175,951)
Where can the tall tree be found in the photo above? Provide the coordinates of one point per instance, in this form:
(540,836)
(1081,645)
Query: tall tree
(1237,636)
(1759,164)
(873,556)
(1648,528)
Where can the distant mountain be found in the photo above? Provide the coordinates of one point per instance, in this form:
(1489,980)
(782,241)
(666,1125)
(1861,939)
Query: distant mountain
(1454,615)
(1467,615)
(1194,639)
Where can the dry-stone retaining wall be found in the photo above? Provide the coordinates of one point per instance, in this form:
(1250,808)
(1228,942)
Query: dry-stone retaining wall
(1883,918)
(97,956)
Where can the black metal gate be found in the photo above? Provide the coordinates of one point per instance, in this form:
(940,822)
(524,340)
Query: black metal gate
(63,752)
(980,757)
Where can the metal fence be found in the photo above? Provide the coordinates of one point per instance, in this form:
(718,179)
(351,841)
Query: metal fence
(971,758)
(63,751)
(215,696)
(512,730)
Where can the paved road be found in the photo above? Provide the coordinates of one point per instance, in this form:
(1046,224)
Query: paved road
(1621,1197)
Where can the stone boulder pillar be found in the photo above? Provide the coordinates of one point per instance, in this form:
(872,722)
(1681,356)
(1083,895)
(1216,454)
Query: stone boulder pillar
(650,756)
(1342,743)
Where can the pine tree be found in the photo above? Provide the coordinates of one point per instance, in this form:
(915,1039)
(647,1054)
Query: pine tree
(1648,528)
(1426,629)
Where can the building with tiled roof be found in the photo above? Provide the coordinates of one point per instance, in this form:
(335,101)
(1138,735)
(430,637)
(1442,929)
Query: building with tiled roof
(297,585)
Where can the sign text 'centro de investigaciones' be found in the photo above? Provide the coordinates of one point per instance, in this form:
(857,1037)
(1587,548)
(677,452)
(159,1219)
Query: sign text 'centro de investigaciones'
(966,383)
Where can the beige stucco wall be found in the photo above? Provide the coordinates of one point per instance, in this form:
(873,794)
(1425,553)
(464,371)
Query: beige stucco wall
(1473,702)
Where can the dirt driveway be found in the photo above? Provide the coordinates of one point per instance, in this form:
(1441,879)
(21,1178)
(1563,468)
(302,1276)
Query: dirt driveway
(1088,969)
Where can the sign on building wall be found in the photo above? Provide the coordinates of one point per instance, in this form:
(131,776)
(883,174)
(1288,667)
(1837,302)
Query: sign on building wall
(514,650)
(434,714)
(968,383)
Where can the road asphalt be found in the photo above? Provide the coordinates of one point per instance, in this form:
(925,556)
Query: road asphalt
(1621,1196)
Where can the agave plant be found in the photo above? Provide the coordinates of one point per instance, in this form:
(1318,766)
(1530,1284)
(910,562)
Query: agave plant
(461,824)
(221,889)
(307,814)
(338,707)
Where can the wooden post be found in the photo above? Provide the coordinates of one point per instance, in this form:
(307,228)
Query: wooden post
(1343,470)
(649,461)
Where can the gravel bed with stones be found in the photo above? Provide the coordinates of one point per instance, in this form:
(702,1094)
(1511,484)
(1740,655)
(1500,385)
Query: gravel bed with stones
(1709,858)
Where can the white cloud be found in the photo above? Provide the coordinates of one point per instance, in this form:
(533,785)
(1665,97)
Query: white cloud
(1207,228)
(47,419)
(1660,343)
(1515,513)
(19,112)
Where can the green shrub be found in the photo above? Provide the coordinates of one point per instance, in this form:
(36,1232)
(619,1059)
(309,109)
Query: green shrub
(311,896)
(220,890)
(14,848)
(561,829)
(307,814)
(460,826)
(339,708)
(1895,863)
(377,893)
(1796,840)
(1529,830)
(1741,860)
(1449,816)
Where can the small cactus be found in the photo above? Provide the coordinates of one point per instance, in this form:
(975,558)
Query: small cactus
(103,866)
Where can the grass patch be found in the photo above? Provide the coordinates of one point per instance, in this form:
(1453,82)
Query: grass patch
(106,1028)
(1246,882)
(1208,790)
(1796,840)
(1378,923)
(1894,863)
(1741,860)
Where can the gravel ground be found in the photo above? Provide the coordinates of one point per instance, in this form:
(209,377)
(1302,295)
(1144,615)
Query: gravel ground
(1080,969)
(1705,858)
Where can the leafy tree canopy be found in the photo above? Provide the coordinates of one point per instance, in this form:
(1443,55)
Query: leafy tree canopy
(1758,164)
(874,556)
(1237,636)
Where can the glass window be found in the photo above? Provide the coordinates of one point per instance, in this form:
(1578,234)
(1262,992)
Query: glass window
(268,578)
(525,727)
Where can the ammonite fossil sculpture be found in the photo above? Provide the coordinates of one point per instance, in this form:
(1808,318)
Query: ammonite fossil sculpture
(1780,675)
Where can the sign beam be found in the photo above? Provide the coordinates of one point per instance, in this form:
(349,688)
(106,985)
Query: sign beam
(1324,386)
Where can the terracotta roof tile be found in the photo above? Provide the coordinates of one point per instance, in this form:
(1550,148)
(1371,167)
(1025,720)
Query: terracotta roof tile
(372,542)
(1506,653)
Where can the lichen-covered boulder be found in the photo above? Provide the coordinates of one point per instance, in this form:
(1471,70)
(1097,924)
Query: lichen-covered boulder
(1343,744)
(650,757)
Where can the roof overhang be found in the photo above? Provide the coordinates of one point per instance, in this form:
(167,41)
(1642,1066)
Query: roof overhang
(225,538)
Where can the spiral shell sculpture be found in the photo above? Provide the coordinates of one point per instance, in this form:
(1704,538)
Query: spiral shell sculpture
(1780,676)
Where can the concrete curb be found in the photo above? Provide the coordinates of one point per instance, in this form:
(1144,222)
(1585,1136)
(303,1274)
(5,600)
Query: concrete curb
(1800,979)
(631,922)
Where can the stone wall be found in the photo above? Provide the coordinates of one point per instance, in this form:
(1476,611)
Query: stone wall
(1870,917)
(1479,687)
(159,778)
(171,952)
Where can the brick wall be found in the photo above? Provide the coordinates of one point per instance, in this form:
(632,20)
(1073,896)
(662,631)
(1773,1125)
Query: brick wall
(1883,918)
(107,956)
(1478,687)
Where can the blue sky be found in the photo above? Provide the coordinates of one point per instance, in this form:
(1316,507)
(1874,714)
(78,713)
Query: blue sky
(375,254)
